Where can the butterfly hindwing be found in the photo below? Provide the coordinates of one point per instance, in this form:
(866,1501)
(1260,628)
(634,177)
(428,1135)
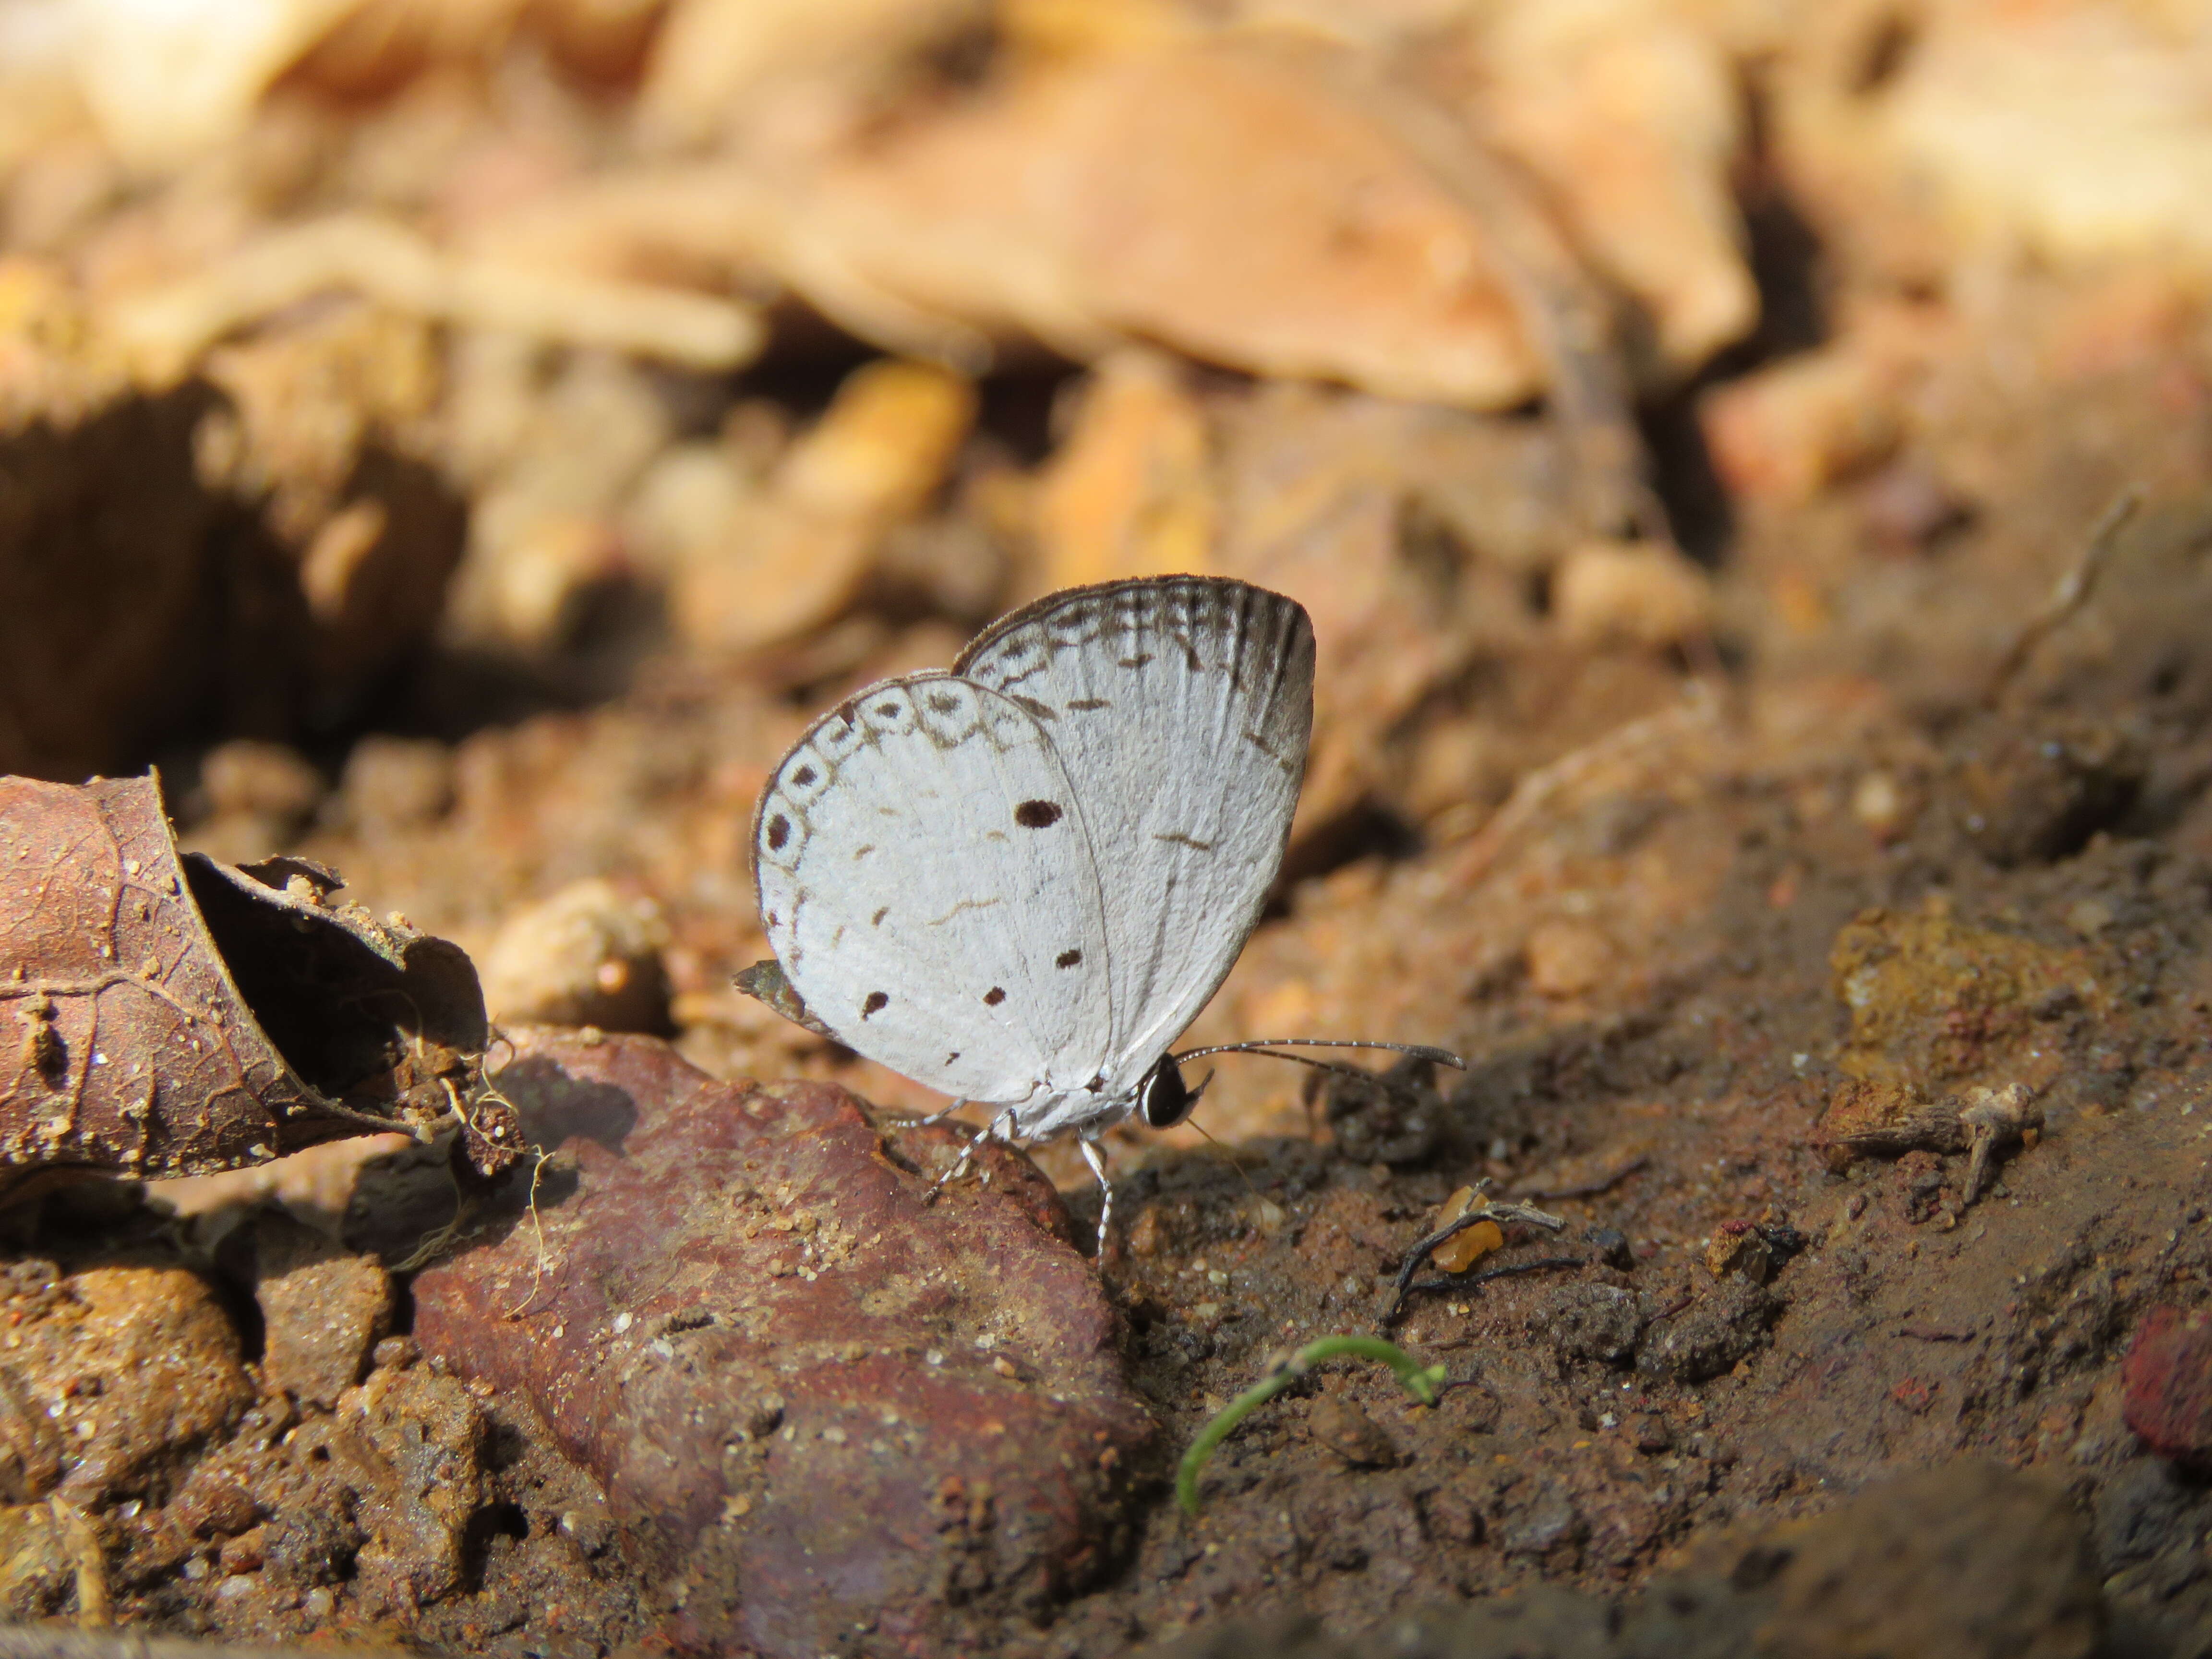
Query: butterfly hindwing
(1180,707)
(927,881)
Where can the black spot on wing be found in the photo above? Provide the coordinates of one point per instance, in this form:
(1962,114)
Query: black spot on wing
(1067,959)
(1034,815)
(876,1002)
(779,831)
(944,702)
(803,776)
(995,996)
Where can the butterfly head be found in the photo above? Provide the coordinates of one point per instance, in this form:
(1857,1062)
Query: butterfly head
(1164,1100)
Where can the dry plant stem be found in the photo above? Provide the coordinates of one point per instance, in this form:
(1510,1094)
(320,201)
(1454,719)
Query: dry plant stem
(92,1603)
(1480,1210)
(538,1223)
(386,262)
(2072,592)
(1565,316)
(1420,1381)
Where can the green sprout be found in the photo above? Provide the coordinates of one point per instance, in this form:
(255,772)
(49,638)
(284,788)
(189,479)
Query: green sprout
(1420,1381)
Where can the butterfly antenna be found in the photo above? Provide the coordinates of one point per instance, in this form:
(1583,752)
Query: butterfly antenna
(1275,1046)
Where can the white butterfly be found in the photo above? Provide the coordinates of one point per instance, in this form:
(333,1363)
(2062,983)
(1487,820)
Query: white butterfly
(1018,882)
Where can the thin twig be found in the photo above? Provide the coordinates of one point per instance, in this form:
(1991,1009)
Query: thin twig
(1420,1381)
(2072,592)
(1563,316)
(1479,1209)
(1504,1270)
(395,266)
(538,1271)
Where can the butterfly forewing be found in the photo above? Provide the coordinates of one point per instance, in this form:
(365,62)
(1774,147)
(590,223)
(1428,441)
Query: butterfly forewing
(1180,707)
(927,882)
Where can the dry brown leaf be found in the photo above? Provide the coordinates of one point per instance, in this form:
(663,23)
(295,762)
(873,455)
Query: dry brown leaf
(1631,117)
(2077,131)
(177,1016)
(1229,198)
(712,61)
(384,260)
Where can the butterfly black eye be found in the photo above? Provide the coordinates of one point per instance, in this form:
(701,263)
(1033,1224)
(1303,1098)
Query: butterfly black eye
(1164,1100)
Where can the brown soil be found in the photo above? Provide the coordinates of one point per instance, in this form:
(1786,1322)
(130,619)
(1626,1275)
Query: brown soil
(1834,960)
(1663,974)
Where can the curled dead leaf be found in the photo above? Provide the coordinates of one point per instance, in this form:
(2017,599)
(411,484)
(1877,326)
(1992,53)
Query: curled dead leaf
(174,1015)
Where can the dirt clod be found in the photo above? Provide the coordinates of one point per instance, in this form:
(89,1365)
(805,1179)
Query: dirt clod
(1352,1434)
(2034,794)
(1592,1324)
(1711,1335)
(322,1309)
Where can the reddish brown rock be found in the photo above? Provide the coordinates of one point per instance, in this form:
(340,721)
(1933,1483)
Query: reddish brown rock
(815,1401)
(2168,1377)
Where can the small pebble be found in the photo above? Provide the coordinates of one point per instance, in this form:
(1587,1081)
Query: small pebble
(395,1353)
(265,779)
(1643,594)
(589,954)
(1351,1434)
(395,783)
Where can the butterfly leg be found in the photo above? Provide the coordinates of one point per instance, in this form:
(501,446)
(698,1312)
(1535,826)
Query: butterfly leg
(997,1126)
(1097,1163)
(938,1117)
